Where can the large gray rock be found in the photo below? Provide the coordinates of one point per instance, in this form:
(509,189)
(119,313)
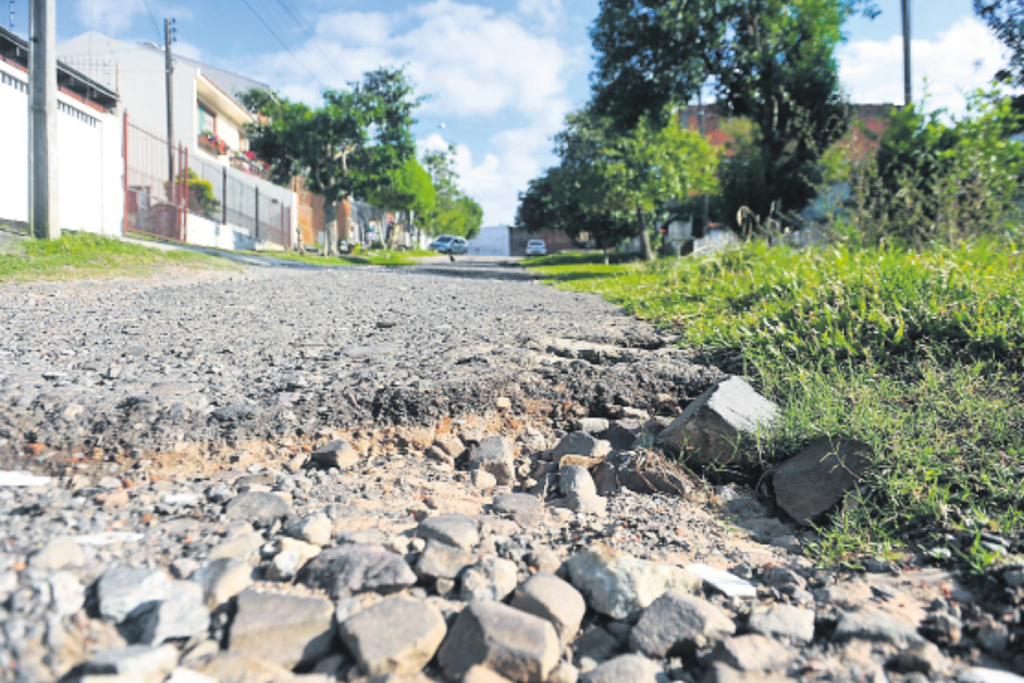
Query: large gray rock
(511,503)
(782,621)
(517,645)
(813,482)
(679,624)
(182,614)
(753,652)
(452,528)
(875,626)
(491,578)
(339,454)
(67,592)
(551,598)
(222,580)
(580,443)
(259,507)
(443,561)
(396,636)
(356,568)
(284,629)
(626,669)
(619,585)
(710,429)
(494,456)
(313,529)
(121,591)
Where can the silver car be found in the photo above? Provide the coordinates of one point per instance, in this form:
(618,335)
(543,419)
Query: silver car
(536,248)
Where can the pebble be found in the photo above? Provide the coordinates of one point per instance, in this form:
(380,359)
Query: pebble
(395,636)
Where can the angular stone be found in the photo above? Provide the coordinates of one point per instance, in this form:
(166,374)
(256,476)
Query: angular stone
(491,578)
(182,614)
(626,669)
(230,667)
(874,626)
(592,425)
(258,507)
(923,657)
(286,630)
(313,529)
(596,644)
(222,580)
(241,547)
(122,590)
(519,646)
(481,674)
(710,429)
(783,621)
(753,652)
(549,597)
(356,568)
(494,456)
(619,585)
(580,443)
(59,553)
(396,636)
(720,672)
(511,503)
(284,566)
(443,561)
(67,592)
(679,624)
(813,482)
(452,528)
(576,479)
(339,454)
(141,661)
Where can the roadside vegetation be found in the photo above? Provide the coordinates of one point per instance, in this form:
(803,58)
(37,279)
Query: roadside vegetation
(370,257)
(82,255)
(901,325)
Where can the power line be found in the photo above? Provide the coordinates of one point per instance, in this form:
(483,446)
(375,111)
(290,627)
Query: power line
(293,12)
(283,44)
(156,24)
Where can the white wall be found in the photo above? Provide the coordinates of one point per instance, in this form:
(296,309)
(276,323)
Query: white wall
(206,233)
(90,163)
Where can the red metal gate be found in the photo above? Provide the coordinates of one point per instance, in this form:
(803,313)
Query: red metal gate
(154,200)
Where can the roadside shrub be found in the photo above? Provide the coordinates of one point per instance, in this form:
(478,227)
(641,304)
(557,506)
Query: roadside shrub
(938,182)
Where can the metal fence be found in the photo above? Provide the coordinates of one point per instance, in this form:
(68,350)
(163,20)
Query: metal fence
(156,206)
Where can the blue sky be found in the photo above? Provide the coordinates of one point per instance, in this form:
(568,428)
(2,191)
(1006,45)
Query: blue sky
(500,75)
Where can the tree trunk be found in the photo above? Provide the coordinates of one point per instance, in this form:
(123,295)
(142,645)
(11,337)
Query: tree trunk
(330,227)
(605,252)
(645,239)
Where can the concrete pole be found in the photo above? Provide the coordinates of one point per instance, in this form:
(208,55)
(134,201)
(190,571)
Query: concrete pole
(169,76)
(908,93)
(42,88)
(705,231)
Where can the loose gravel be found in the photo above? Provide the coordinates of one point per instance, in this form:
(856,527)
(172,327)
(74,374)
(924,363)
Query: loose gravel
(429,474)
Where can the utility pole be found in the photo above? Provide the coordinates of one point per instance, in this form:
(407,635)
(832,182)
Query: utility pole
(42,96)
(169,75)
(12,16)
(700,117)
(908,95)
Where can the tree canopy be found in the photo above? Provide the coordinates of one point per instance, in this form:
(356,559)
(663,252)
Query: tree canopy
(771,61)
(353,145)
(454,212)
(1006,19)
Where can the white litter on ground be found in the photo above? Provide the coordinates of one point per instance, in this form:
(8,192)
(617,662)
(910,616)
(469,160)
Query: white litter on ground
(729,584)
(21,479)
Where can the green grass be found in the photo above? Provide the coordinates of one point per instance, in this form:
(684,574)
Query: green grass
(84,255)
(919,354)
(381,257)
(576,258)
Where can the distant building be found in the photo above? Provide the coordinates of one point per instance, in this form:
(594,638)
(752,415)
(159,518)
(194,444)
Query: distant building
(493,240)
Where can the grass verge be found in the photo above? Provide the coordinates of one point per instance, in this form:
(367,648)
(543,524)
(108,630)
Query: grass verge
(84,255)
(375,258)
(919,354)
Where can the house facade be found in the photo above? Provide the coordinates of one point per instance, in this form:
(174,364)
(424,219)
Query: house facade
(241,208)
(90,187)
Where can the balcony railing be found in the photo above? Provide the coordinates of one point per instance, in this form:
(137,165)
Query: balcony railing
(253,166)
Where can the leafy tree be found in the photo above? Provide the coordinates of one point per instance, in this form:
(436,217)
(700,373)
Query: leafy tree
(411,192)
(352,145)
(631,179)
(1006,19)
(454,212)
(772,61)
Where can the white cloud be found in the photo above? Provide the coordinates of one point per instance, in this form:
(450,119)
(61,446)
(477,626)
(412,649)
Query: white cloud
(957,61)
(473,62)
(116,16)
(548,13)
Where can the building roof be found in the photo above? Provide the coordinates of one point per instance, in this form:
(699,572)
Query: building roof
(14,49)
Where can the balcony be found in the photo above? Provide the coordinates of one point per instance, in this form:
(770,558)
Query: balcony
(247,163)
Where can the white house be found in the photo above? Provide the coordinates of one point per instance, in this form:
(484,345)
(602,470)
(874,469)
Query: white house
(91,169)
(208,123)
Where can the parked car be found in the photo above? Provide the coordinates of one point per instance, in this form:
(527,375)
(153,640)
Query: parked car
(449,244)
(536,248)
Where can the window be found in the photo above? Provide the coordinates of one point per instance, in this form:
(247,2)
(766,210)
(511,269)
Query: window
(207,121)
